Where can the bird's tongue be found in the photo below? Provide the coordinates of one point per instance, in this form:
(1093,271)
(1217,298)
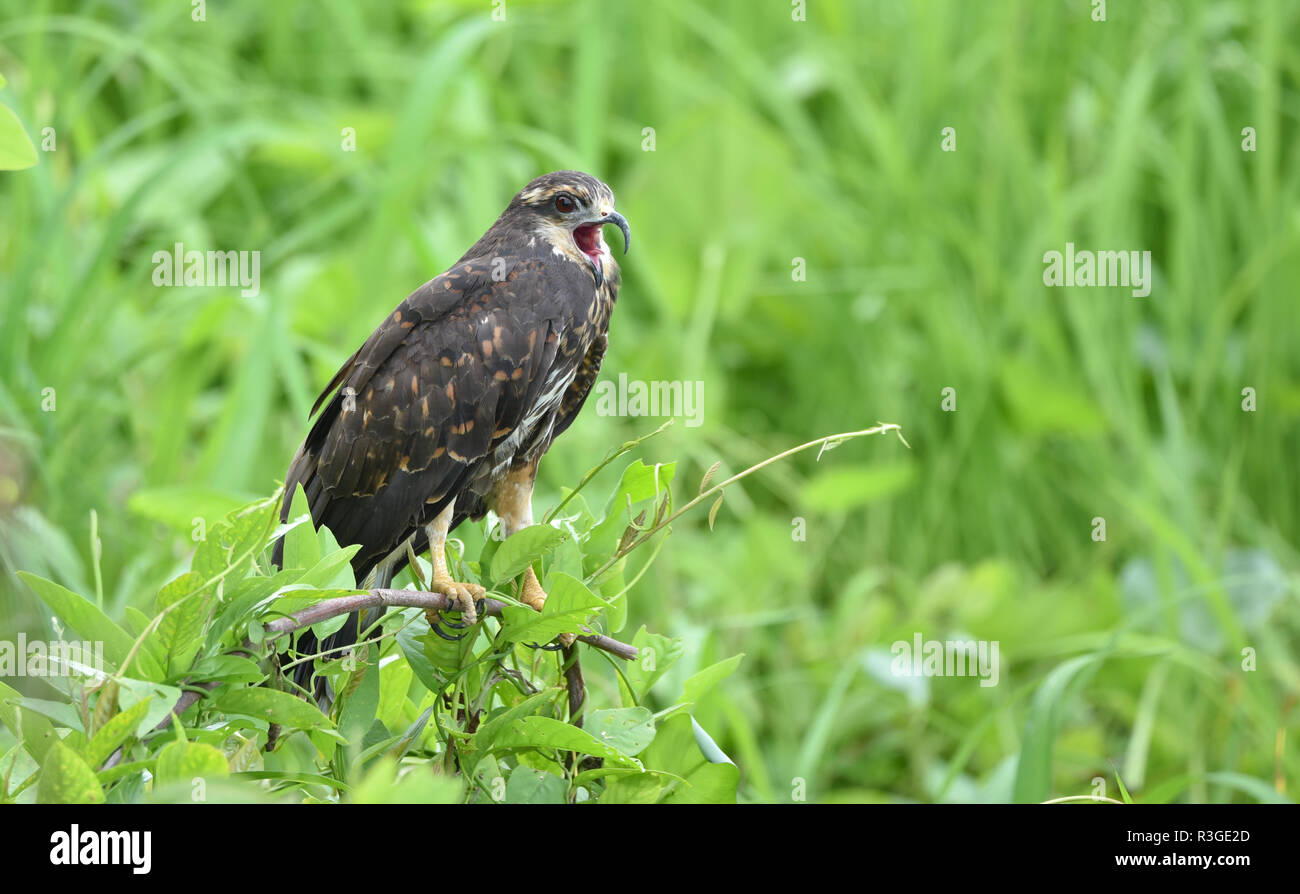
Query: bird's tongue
(589,240)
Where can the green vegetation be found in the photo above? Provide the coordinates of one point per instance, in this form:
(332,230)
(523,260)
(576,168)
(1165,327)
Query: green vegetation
(1165,654)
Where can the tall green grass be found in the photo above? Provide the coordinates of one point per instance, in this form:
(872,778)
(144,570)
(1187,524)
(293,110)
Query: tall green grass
(774,140)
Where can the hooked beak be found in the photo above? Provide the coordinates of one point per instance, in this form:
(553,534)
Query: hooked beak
(619,221)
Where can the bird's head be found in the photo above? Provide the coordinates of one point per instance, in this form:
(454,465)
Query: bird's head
(569,210)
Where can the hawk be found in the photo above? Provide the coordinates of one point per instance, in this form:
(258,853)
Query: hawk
(446,409)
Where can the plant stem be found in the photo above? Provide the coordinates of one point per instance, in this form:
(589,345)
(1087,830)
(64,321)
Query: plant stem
(828,443)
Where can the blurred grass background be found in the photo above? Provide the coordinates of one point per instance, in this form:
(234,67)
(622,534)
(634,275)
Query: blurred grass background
(774,140)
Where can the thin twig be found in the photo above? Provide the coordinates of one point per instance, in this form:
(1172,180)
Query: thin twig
(829,442)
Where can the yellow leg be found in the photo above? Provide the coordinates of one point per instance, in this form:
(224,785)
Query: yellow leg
(532,593)
(463,595)
(512,500)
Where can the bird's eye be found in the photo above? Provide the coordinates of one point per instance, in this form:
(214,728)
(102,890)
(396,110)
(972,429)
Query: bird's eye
(564,204)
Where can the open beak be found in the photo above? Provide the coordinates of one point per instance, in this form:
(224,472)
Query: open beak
(619,221)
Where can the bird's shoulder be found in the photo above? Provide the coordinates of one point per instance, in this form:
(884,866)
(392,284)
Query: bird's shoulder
(509,295)
(452,372)
(472,283)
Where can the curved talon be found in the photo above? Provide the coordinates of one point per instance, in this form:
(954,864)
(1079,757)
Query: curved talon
(437,620)
(461,600)
(447,636)
(549,647)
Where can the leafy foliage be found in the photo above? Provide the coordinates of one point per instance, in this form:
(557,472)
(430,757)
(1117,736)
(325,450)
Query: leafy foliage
(416,717)
(777,140)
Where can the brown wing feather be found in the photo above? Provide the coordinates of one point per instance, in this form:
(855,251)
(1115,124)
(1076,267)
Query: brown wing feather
(583,382)
(445,379)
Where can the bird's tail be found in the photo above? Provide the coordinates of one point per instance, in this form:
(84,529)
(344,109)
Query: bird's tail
(306,643)
(332,647)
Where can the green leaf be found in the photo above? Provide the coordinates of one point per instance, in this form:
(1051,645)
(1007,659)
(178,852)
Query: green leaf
(417,785)
(629,730)
(231,544)
(106,706)
(139,622)
(708,784)
(181,630)
(448,656)
(698,684)
(655,655)
(586,777)
(522,548)
(182,762)
(62,713)
(333,571)
(1123,789)
(568,604)
(67,779)
(16,149)
(301,546)
(252,524)
(567,558)
(113,734)
(36,733)
(549,733)
(709,748)
(674,750)
(411,639)
(160,696)
(412,734)
(227,668)
(486,737)
(529,786)
(361,700)
(641,482)
(86,619)
(701,682)
(487,772)
(633,788)
(273,706)
(245,755)
(243,599)
(211,555)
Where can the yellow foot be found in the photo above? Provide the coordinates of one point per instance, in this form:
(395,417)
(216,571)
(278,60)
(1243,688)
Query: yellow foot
(534,596)
(463,597)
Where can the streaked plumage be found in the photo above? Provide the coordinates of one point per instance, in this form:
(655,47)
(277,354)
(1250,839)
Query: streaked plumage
(469,379)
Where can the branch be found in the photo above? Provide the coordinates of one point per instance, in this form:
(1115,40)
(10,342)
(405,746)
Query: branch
(342,605)
(330,608)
